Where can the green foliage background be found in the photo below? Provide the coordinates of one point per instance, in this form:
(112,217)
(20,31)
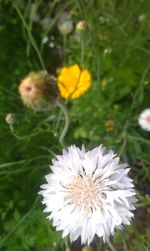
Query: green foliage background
(116,49)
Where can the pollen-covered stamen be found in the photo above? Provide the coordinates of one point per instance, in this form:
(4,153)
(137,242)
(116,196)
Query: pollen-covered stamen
(85,193)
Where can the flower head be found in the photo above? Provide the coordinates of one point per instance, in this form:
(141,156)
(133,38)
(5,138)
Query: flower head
(88,194)
(73,82)
(38,90)
(144,120)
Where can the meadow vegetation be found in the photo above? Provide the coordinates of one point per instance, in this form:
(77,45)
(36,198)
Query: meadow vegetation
(114,45)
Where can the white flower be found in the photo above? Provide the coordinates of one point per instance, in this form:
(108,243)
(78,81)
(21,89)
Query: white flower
(88,194)
(144,120)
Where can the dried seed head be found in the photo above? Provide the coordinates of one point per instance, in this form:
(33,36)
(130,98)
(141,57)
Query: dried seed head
(39,90)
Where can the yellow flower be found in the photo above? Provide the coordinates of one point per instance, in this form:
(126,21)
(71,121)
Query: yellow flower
(73,82)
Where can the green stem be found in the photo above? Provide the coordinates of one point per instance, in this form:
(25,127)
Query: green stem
(110,246)
(30,35)
(65,47)
(64,109)
(21,137)
(82,50)
(67,245)
(98,243)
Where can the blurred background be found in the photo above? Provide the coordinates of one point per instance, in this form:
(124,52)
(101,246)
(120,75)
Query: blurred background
(114,45)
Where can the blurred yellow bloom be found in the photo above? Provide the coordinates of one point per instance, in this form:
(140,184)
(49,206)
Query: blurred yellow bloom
(73,82)
(110,125)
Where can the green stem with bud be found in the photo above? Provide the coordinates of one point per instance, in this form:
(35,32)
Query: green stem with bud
(21,137)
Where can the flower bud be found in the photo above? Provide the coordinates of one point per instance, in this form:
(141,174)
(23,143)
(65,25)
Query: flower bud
(10,118)
(81,27)
(66,27)
(110,125)
(140,19)
(104,83)
(39,90)
(107,50)
(65,24)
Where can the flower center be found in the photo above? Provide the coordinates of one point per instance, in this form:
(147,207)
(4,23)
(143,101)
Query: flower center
(147,119)
(85,193)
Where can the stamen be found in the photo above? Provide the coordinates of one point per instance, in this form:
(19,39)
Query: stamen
(84,192)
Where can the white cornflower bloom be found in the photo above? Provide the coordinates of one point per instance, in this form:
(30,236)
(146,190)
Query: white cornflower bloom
(88,194)
(144,120)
